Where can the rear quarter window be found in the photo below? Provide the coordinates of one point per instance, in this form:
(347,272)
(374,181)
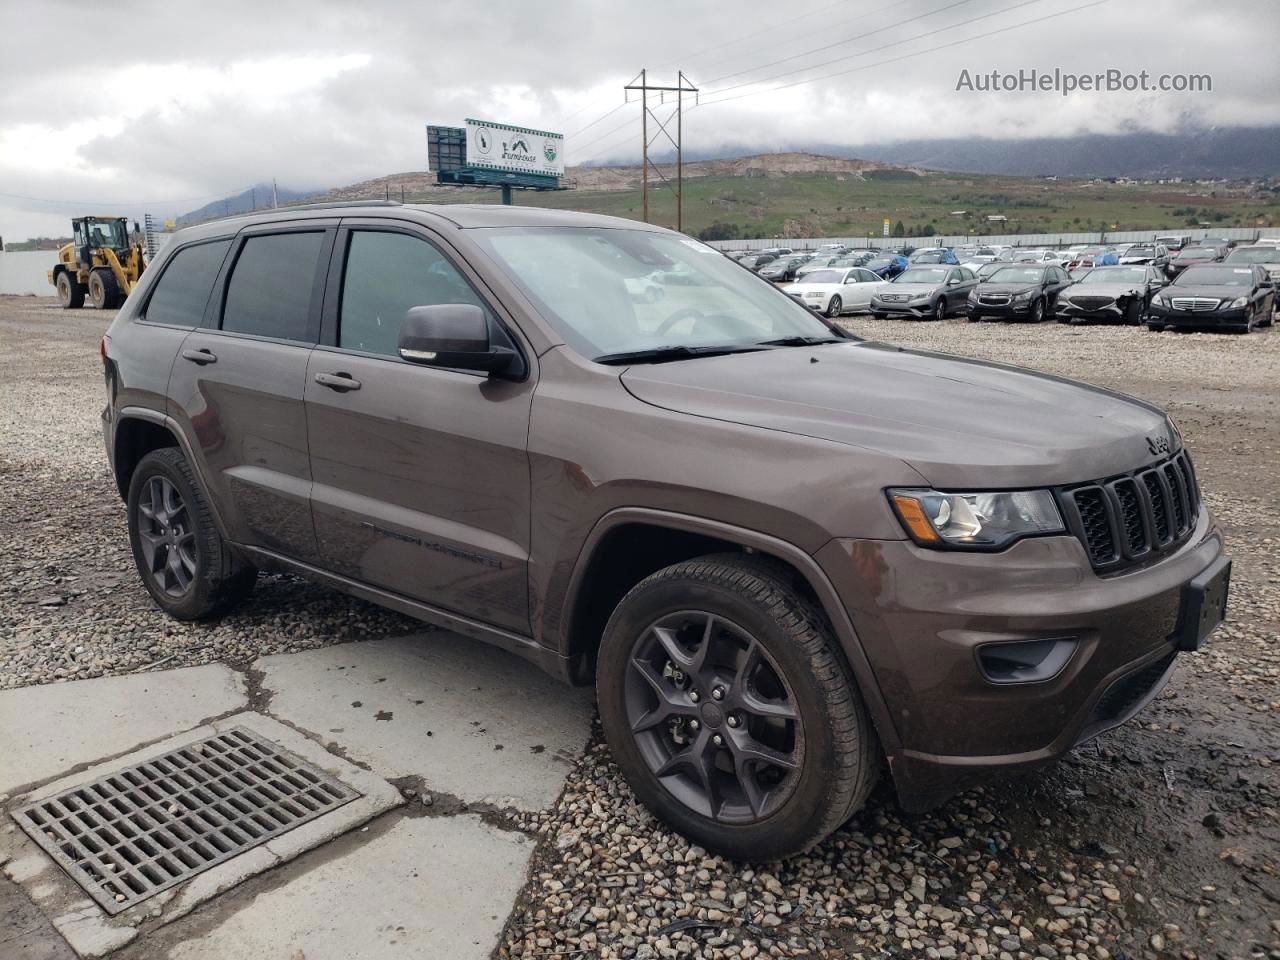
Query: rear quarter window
(182,292)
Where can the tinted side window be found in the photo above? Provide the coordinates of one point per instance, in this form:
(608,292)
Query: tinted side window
(269,294)
(182,291)
(386,274)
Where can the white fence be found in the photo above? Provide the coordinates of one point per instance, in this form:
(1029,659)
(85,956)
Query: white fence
(27,272)
(1015,240)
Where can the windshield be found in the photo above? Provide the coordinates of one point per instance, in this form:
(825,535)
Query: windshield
(610,291)
(1216,277)
(1198,253)
(1017,275)
(824,276)
(922,275)
(1140,252)
(107,233)
(1254,255)
(930,256)
(1116,275)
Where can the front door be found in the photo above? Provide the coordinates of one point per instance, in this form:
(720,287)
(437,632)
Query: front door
(421,474)
(237,387)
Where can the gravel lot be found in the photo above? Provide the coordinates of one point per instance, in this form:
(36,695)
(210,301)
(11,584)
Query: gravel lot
(1158,839)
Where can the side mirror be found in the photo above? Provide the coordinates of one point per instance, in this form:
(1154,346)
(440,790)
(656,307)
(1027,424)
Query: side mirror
(452,335)
(136,228)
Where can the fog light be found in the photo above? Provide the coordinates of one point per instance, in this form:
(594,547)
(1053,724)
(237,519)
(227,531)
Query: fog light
(1025,661)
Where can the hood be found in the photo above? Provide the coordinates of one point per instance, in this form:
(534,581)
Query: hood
(1209,291)
(1009,288)
(959,423)
(1139,259)
(913,289)
(1112,290)
(801,287)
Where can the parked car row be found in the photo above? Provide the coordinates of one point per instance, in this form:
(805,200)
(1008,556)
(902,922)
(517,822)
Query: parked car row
(1236,295)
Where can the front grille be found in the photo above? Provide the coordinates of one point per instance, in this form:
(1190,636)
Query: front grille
(1135,517)
(995,299)
(1195,304)
(146,828)
(895,297)
(1092,303)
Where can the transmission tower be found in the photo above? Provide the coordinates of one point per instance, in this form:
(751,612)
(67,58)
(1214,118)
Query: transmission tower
(646,114)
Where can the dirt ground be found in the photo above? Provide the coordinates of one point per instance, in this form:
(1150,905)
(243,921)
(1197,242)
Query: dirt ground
(1179,807)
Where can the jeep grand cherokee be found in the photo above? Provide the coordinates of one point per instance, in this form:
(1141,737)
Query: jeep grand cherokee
(781,553)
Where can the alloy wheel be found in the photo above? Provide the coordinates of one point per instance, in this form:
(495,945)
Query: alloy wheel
(166,536)
(713,717)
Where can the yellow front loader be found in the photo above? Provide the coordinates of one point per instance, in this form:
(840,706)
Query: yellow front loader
(99,261)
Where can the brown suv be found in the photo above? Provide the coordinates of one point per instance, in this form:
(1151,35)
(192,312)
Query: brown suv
(782,553)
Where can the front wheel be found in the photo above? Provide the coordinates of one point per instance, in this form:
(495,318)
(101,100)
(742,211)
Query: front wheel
(186,566)
(103,289)
(1037,311)
(728,707)
(940,309)
(834,306)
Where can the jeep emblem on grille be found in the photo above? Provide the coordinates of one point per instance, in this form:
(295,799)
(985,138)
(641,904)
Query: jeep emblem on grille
(1158,445)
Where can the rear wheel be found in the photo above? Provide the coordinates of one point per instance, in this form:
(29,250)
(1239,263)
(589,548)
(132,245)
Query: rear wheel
(186,566)
(70,291)
(730,711)
(834,306)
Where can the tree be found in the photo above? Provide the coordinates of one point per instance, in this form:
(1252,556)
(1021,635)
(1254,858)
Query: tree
(898,230)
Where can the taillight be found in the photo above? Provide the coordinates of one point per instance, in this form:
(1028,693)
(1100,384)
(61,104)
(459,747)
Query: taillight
(104,348)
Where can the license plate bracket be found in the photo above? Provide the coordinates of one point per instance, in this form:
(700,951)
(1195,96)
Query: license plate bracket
(1204,605)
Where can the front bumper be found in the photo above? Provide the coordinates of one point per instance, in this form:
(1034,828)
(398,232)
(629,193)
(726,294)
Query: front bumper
(1198,318)
(1115,310)
(922,615)
(901,308)
(1012,310)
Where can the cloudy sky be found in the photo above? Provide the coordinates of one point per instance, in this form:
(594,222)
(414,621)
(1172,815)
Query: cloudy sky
(137,105)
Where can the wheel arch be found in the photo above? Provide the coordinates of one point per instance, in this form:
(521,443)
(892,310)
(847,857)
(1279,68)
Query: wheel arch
(628,544)
(135,436)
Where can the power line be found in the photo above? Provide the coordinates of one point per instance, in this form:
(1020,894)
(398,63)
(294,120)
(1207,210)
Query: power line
(597,120)
(905,56)
(604,136)
(755,33)
(838,43)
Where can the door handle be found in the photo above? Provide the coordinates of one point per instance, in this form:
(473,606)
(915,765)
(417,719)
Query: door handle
(201,356)
(342,382)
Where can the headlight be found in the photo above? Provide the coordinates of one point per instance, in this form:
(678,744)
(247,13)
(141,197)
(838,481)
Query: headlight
(1239,302)
(920,298)
(975,520)
(1024,295)
(973,294)
(1160,300)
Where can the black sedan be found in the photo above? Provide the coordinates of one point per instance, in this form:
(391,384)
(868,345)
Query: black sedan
(1018,292)
(783,270)
(1195,256)
(1111,293)
(1235,298)
(757,260)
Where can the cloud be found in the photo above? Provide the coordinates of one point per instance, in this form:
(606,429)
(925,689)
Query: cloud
(175,103)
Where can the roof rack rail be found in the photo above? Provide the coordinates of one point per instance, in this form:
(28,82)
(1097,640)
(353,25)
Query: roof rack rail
(322,204)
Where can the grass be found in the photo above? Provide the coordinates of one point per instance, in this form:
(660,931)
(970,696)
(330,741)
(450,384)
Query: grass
(841,205)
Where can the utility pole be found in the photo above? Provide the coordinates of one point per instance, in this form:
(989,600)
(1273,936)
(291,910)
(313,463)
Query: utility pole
(275,197)
(680,89)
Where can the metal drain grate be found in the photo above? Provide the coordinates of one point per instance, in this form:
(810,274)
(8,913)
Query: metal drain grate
(148,827)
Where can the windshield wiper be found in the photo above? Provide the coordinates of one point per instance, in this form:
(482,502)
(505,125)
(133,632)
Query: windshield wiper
(672,352)
(799,341)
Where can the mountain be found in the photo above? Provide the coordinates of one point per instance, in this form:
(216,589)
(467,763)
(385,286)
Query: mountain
(256,197)
(1219,152)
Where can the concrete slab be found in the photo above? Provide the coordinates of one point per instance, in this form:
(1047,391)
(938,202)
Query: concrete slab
(471,720)
(426,887)
(51,729)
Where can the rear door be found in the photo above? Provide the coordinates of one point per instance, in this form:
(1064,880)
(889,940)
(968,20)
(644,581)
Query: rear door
(237,384)
(421,474)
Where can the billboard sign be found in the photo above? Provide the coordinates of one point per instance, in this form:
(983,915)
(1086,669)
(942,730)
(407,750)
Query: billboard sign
(500,146)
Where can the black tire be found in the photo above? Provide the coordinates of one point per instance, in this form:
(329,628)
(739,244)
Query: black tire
(1133,313)
(834,306)
(1037,312)
(218,577)
(70,291)
(878,316)
(940,309)
(1155,327)
(834,748)
(102,289)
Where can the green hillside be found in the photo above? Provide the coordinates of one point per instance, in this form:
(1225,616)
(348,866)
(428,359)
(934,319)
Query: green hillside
(827,204)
